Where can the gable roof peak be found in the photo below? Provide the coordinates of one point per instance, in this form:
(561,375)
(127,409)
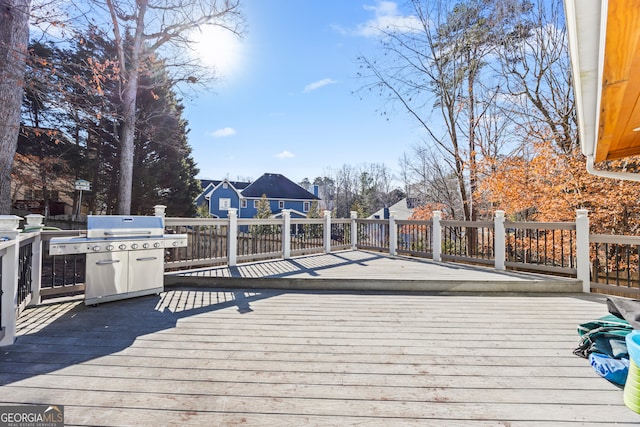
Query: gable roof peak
(277,186)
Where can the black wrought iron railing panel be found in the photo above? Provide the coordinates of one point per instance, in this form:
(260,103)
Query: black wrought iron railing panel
(340,233)
(61,275)
(615,264)
(470,241)
(373,234)
(306,235)
(257,238)
(207,244)
(415,237)
(25,265)
(1,290)
(545,246)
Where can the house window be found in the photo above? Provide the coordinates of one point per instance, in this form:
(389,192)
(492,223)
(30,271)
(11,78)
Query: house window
(280,204)
(34,195)
(255,203)
(225,185)
(243,203)
(305,207)
(224,204)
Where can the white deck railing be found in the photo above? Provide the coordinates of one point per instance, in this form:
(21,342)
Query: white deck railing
(609,263)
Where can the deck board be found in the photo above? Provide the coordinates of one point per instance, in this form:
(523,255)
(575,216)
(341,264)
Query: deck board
(198,356)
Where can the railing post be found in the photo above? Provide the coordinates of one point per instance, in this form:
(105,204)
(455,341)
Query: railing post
(499,237)
(9,279)
(393,236)
(232,237)
(327,232)
(286,233)
(160,210)
(582,249)
(436,238)
(354,230)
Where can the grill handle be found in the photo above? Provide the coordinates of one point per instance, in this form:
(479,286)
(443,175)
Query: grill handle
(149,258)
(106,262)
(124,233)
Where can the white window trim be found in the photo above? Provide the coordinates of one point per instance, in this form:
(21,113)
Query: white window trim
(306,206)
(243,203)
(280,204)
(224,203)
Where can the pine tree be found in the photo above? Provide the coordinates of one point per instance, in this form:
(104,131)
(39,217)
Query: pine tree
(264,208)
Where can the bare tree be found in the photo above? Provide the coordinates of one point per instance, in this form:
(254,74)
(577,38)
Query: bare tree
(142,28)
(434,69)
(14,37)
(431,179)
(536,64)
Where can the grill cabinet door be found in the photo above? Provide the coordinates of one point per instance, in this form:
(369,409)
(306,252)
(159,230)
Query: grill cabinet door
(146,270)
(106,274)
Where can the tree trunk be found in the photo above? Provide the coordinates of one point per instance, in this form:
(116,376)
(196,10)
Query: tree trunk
(130,75)
(126,145)
(14,37)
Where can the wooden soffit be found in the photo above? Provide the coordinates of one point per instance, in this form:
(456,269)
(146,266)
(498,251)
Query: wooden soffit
(620,91)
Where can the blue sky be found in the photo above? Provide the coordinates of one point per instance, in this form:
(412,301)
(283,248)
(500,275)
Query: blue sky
(286,102)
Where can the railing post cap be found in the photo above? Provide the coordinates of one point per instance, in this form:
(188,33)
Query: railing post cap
(232,212)
(9,222)
(34,219)
(159,210)
(437,214)
(327,212)
(499,214)
(354,214)
(581,213)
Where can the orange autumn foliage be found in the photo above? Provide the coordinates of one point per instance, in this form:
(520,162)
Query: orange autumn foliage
(551,185)
(425,212)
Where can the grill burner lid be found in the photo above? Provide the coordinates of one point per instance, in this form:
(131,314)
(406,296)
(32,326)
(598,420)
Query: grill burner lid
(116,233)
(123,226)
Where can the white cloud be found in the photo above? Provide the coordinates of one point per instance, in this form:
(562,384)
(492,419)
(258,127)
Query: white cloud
(224,132)
(285,155)
(318,84)
(387,17)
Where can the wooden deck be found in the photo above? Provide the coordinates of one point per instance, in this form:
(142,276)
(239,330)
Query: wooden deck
(211,357)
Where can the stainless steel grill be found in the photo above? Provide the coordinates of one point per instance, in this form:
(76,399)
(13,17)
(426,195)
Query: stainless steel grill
(125,255)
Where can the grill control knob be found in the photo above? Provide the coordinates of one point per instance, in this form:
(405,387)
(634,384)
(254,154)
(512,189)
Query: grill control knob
(145,245)
(109,247)
(174,243)
(134,246)
(156,245)
(122,247)
(95,248)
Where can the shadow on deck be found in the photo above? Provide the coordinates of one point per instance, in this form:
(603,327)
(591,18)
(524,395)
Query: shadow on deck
(195,356)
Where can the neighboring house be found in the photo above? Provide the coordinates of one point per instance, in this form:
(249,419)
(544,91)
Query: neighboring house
(219,196)
(401,210)
(281,193)
(42,179)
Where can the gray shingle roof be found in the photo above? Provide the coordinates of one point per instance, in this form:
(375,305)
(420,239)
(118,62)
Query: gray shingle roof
(276,186)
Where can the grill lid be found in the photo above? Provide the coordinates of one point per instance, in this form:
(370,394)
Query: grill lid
(113,226)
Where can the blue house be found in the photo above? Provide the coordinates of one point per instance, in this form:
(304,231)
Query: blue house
(281,193)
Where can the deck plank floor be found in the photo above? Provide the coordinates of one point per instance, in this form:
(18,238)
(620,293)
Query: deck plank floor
(195,356)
